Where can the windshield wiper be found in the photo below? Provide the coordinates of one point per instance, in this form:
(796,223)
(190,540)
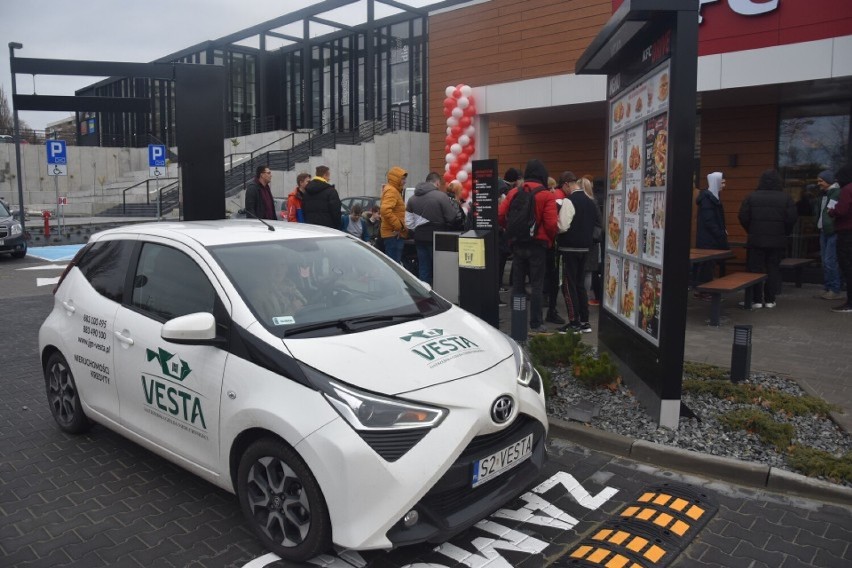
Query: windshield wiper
(353,324)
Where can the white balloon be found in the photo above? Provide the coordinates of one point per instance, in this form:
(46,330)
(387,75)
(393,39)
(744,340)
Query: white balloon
(452,121)
(464,140)
(456,149)
(468,167)
(449,91)
(457,112)
(470,131)
(449,131)
(462,176)
(463,102)
(466,91)
(446,167)
(451,158)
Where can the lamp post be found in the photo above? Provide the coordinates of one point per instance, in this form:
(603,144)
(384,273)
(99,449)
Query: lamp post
(21,210)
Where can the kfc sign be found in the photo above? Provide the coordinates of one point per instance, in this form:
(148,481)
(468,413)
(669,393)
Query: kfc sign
(743,7)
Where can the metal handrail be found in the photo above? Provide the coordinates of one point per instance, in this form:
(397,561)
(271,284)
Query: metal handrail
(147,193)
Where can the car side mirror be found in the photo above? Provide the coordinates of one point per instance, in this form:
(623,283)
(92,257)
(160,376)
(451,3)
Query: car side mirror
(191,329)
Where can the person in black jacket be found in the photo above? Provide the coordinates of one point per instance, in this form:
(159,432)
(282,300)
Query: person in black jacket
(768,215)
(321,203)
(710,229)
(259,202)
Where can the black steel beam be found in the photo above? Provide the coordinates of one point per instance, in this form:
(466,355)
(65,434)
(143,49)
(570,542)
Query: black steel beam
(284,36)
(81,104)
(33,66)
(330,23)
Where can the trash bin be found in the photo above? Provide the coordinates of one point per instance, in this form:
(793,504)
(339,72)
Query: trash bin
(445,265)
(741,353)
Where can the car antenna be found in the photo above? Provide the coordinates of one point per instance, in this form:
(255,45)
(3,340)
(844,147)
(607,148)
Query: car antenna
(253,216)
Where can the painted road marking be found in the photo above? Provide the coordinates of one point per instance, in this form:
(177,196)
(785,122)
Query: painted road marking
(54,254)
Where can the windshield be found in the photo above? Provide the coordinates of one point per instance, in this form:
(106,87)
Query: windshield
(327,286)
(3,211)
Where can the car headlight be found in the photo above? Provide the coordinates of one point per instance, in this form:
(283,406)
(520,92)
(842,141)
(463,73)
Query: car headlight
(16,229)
(527,375)
(367,411)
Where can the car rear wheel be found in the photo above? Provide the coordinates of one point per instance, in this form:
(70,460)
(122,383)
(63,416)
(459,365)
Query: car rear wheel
(282,501)
(62,396)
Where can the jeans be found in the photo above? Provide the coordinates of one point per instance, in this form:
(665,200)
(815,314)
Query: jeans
(529,260)
(766,260)
(393,248)
(424,261)
(830,269)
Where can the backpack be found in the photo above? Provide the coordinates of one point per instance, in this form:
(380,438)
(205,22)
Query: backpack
(520,219)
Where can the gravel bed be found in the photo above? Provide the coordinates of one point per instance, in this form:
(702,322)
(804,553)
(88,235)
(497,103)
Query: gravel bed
(620,412)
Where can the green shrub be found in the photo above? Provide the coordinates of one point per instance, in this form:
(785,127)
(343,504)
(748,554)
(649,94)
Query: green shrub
(546,379)
(553,350)
(819,463)
(757,422)
(704,370)
(770,399)
(594,371)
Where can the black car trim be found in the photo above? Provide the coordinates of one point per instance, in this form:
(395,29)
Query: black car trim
(246,345)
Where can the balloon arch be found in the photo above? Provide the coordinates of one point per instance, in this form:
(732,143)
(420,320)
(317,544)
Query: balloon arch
(459,110)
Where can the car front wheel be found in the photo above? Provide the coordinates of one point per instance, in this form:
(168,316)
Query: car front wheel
(282,501)
(63,397)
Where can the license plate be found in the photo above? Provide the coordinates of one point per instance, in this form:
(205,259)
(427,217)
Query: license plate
(500,462)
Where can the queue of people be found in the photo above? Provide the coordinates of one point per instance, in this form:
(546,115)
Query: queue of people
(561,252)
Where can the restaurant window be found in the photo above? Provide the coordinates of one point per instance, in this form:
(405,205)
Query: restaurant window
(811,139)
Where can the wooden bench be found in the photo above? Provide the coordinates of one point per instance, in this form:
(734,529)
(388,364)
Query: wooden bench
(726,285)
(797,264)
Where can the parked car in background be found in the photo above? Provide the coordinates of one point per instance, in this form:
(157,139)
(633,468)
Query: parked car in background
(248,357)
(366,203)
(12,238)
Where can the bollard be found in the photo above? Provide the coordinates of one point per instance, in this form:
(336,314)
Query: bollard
(519,317)
(741,353)
(46,215)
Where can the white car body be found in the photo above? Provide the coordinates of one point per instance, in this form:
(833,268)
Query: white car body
(198,403)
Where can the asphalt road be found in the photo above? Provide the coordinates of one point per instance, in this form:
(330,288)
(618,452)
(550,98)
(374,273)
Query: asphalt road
(100,500)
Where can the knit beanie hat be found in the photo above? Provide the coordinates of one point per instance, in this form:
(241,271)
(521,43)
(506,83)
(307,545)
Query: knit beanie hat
(827,176)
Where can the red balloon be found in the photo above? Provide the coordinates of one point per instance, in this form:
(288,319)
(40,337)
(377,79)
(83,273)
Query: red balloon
(450,102)
(455,132)
(470,111)
(447,149)
(463,158)
(464,121)
(470,149)
(457,93)
(448,177)
(454,168)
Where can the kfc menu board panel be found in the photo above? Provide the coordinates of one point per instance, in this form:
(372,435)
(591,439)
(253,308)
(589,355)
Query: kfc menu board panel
(637,162)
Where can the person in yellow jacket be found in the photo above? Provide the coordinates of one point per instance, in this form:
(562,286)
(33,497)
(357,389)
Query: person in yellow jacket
(392,213)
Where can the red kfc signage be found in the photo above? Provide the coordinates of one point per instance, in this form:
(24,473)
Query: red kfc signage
(737,25)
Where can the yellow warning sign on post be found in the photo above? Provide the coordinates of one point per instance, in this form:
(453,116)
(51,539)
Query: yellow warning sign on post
(472,253)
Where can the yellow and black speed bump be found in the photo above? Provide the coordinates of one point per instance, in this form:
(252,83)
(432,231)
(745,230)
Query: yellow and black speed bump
(651,531)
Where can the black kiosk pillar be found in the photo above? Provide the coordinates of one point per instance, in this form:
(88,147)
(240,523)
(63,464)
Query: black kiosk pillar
(478,286)
(649,52)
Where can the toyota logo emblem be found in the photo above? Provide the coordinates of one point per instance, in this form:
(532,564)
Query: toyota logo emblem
(501,410)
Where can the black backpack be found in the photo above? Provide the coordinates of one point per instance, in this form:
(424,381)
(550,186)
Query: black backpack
(520,219)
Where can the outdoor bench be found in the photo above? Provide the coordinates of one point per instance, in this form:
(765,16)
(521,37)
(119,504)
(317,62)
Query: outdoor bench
(726,285)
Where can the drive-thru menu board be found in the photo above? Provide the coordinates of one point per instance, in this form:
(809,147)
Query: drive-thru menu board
(636,202)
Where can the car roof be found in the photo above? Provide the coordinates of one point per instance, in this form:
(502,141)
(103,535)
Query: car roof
(223,231)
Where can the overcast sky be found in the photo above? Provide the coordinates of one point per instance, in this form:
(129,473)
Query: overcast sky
(133,31)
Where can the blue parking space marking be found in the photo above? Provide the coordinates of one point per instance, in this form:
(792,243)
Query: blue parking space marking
(54,254)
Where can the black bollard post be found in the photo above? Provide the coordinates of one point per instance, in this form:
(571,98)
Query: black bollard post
(519,317)
(741,353)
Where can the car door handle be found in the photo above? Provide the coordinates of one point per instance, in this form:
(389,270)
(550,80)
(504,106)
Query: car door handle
(123,338)
(69,306)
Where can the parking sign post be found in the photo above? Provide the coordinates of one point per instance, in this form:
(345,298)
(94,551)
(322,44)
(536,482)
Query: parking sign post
(157,169)
(57,165)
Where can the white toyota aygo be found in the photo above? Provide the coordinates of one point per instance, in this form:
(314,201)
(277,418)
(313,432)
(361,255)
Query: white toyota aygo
(342,400)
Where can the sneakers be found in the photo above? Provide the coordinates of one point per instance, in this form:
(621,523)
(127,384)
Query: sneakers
(594,302)
(832,296)
(570,327)
(553,317)
(539,329)
(754,305)
(585,327)
(503,289)
(844,309)
(769,305)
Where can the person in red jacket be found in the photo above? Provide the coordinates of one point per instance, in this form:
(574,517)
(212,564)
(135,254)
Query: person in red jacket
(528,257)
(294,200)
(842,214)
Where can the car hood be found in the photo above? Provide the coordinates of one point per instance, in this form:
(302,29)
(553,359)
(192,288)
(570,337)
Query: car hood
(408,356)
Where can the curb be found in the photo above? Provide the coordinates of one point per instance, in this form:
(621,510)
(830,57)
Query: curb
(729,470)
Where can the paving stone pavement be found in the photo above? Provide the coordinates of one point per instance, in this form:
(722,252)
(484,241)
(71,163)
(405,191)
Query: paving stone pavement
(101,500)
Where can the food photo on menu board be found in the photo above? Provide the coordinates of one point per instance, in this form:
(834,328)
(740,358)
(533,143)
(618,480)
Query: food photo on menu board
(612,273)
(633,139)
(616,162)
(629,277)
(613,222)
(653,225)
(649,300)
(656,150)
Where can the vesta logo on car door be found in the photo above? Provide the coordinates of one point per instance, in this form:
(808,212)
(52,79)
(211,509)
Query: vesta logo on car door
(166,398)
(438,348)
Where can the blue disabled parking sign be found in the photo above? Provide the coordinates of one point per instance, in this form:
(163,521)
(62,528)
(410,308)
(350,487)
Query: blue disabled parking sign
(57,158)
(156,160)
